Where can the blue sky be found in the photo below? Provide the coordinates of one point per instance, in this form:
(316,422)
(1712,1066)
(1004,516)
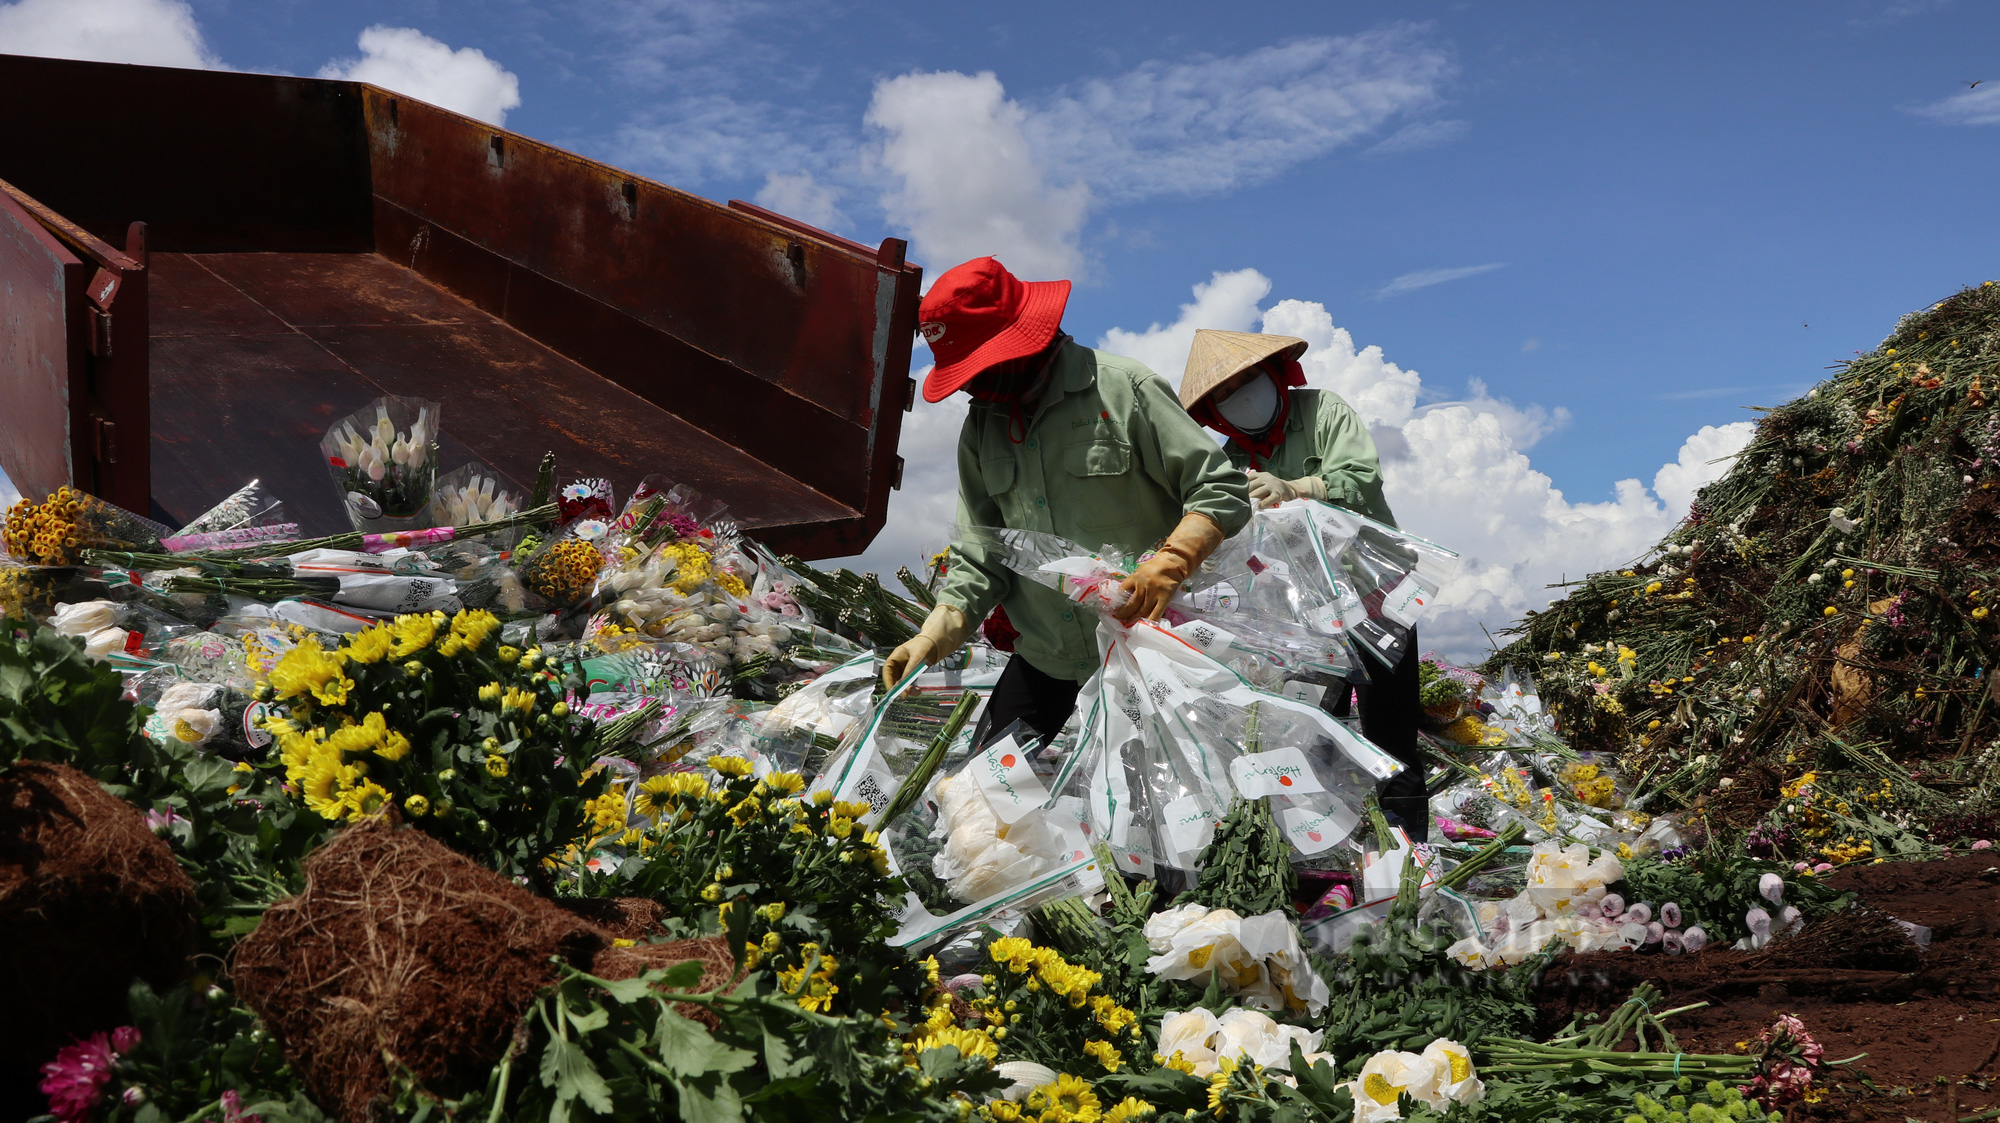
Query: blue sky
(1640,219)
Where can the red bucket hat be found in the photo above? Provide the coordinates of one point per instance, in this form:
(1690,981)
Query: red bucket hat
(978,314)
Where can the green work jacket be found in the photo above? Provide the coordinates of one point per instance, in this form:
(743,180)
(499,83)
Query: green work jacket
(1109,459)
(1324,437)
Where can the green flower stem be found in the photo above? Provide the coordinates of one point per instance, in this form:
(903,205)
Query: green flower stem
(213,1105)
(1485,856)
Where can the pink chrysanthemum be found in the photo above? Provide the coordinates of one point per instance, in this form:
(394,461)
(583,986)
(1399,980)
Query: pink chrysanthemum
(74,1082)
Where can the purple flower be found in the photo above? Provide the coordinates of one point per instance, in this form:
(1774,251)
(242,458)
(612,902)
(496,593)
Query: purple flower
(74,1082)
(1611,904)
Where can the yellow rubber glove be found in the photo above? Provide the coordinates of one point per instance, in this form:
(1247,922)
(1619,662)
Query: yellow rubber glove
(943,631)
(1267,490)
(1159,577)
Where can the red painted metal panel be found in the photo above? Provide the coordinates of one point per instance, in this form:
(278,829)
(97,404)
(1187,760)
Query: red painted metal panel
(40,280)
(742,351)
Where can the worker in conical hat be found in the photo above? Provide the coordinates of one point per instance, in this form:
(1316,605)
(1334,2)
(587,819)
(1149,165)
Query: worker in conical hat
(1296,443)
(1066,440)
(1299,443)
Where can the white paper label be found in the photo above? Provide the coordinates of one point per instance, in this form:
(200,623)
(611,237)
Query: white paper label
(834,724)
(1206,636)
(1311,693)
(1407,602)
(1273,772)
(253,729)
(1219,597)
(1326,618)
(1189,825)
(1010,784)
(1313,832)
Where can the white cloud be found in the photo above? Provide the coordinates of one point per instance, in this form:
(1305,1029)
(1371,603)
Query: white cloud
(968,183)
(802,197)
(407,61)
(1704,458)
(9,494)
(1188,128)
(1419,136)
(1425,278)
(972,171)
(150,32)
(1977,106)
(1226,301)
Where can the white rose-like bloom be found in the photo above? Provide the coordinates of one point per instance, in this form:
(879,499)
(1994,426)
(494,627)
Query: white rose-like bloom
(1193,1034)
(1387,1076)
(1457,1080)
(1204,940)
(1273,938)
(84,617)
(1771,887)
(1254,1036)
(1468,953)
(196,727)
(103,642)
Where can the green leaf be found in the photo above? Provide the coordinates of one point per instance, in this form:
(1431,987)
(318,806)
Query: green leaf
(687,1049)
(570,1071)
(778,1057)
(593,1020)
(723,1107)
(682,975)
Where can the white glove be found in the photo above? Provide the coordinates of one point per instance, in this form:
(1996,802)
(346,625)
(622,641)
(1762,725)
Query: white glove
(1267,490)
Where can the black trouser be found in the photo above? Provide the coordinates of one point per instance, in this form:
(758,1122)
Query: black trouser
(1390,707)
(1026,694)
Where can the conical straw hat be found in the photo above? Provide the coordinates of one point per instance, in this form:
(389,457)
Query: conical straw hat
(1218,356)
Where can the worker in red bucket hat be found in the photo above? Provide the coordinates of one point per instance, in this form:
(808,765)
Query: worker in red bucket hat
(1070,441)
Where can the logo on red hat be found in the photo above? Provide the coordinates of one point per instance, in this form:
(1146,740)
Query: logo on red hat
(932,331)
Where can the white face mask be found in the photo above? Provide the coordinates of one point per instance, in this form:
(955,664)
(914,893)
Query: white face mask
(1252,407)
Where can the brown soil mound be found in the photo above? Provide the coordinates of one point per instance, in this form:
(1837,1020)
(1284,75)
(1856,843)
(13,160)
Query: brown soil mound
(89,898)
(400,946)
(624,918)
(1929,1020)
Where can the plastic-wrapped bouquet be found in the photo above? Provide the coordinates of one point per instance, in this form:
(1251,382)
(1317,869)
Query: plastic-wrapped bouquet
(473,493)
(383,458)
(57,530)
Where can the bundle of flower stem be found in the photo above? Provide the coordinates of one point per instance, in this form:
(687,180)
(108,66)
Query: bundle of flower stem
(1598,1048)
(857,602)
(256,588)
(536,518)
(927,765)
(1247,866)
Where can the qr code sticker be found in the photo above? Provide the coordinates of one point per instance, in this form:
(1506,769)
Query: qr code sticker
(871,791)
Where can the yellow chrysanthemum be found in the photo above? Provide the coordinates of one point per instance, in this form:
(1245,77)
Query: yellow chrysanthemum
(370,645)
(417,806)
(517,699)
(309,669)
(786,783)
(744,812)
(473,625)
(1106,1053)
(1129,1110)
(730,765)
(413,634)
(969,1042)
(496,767)
(1073,1097)
(365,798)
